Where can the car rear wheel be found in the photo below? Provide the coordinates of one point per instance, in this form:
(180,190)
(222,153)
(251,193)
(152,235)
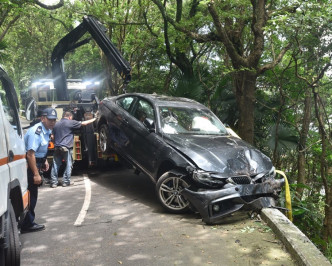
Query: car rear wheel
(104,138)
(168,188)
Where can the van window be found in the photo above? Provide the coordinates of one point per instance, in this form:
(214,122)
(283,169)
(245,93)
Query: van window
(9,110)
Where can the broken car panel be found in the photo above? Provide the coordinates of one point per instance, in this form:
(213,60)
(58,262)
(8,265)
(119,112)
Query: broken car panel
(188,153)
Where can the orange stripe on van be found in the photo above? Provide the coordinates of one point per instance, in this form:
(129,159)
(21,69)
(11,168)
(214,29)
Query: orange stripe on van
(19,157)
(4,160)
(26,199)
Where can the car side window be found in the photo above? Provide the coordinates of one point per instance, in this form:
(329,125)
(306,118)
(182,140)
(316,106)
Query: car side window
(125,102)
(144,110)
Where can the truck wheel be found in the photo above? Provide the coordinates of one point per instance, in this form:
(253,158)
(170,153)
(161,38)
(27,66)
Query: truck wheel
(104,138)
(12,252)
(168,190)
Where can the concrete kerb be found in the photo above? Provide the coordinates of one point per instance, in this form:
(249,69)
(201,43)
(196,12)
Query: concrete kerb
(297,244)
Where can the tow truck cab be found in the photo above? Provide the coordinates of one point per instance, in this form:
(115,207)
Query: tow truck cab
(14,196)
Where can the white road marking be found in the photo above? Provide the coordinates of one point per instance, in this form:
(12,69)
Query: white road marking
(86,204)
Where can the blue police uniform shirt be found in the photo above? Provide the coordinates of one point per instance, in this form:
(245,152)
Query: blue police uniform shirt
(36,139)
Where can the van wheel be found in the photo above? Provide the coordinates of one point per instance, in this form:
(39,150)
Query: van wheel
(168,188)
(104,138)
(12,253)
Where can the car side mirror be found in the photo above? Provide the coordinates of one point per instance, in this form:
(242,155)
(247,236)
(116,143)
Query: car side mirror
(31,109)
(149,124)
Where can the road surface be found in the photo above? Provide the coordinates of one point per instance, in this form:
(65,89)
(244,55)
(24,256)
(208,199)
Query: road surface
(113,218)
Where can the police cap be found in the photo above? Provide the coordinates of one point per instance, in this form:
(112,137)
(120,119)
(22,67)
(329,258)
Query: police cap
(50,113)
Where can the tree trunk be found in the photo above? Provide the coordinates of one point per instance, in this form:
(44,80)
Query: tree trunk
(244,86)
(276,157)
(301,179)
(327,227)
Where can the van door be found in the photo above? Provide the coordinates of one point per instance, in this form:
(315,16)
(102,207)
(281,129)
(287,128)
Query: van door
(12,142)
(15,143)
(4,169)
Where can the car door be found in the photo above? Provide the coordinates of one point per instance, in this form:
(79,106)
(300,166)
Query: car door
(144,143)
(117,120)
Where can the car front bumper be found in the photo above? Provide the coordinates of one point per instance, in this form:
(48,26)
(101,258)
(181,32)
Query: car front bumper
(213,205)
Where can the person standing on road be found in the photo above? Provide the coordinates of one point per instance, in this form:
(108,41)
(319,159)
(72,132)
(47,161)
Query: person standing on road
(63,133)
(36,143)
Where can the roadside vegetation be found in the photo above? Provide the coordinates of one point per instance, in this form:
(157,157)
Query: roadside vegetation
(264,67)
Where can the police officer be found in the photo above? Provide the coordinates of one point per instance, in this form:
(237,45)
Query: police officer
(36,143)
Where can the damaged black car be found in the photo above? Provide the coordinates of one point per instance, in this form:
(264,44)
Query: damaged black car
(189,154)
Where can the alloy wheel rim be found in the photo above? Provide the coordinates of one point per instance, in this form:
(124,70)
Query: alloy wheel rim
(170,193)
(103,140)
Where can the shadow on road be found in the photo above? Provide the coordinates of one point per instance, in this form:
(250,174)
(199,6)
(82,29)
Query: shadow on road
(135,187)
(141,188)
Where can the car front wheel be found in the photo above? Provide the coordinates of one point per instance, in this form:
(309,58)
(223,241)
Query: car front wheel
(168,188)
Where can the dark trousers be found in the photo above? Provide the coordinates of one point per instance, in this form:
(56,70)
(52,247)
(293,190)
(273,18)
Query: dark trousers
(33,189)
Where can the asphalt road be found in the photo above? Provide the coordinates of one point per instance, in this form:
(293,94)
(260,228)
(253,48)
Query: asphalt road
(113,218)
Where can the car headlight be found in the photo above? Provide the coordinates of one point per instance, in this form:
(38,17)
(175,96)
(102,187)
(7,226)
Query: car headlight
(271,173)
(207,178)
(263,177)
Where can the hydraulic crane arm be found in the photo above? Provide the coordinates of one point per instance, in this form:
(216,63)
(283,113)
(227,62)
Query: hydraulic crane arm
(70,42)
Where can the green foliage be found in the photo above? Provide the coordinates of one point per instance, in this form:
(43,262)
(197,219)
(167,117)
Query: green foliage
(4,56)
(223,102)
(328,250)
(284,138)
(308,213)
(137,29)
(187,88)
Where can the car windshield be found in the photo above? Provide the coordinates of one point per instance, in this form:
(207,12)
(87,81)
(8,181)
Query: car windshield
(180,120)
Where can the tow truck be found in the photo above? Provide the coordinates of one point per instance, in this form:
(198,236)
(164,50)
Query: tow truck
(83,103)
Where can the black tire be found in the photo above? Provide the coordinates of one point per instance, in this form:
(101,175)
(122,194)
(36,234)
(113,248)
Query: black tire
(13,252)
(104,139)
(168,189)
(2,254)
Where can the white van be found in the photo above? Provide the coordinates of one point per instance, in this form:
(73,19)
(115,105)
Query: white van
(14,196)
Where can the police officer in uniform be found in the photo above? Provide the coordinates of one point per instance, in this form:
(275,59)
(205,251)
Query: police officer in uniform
(36,143)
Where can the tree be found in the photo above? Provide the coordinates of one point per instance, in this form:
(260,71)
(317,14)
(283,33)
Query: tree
(184,53)
(50,7)
(313,60)
(304,104)
(12,10)
(240,28)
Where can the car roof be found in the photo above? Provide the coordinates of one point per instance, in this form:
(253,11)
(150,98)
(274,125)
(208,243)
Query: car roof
(165,100)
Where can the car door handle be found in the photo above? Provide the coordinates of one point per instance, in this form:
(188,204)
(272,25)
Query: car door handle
(125,121)
(10,156)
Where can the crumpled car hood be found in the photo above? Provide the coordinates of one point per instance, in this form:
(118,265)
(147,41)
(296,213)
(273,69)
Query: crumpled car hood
(222,154)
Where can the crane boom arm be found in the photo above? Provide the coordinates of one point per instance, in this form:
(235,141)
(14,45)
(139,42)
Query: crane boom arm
(70,42)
